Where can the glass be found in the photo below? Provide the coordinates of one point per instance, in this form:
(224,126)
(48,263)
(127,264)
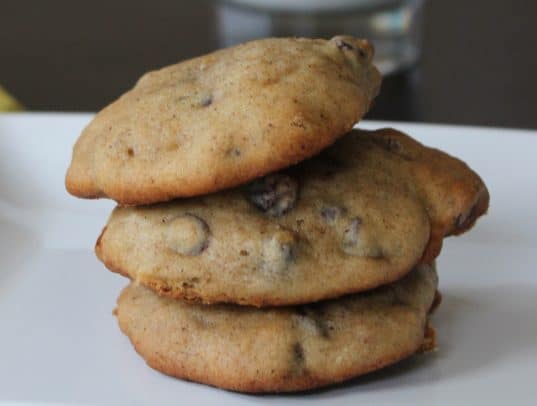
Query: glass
(394,26)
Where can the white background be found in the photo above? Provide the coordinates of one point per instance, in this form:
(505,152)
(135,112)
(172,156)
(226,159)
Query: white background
(60,343)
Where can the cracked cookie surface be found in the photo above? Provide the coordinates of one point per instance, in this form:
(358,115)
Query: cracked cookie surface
(280,349)
(223,119)
(359,215)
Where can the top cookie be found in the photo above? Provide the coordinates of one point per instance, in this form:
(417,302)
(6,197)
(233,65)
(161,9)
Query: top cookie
(223,119)
(359,215)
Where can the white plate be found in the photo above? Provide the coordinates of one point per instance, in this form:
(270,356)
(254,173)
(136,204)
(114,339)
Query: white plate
(60,343)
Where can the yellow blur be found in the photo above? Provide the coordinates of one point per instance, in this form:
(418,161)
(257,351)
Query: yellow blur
(7,102)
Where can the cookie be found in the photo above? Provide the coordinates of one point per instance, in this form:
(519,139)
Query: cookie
(280,349)
(223,119)
(358,216)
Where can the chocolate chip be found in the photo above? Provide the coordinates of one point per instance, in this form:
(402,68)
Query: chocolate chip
(187,234)
(312,320)
(274,194)
(465,220)
(350,235)
(359,241)
(331,213)
(233,152)
(190,283)
(279,251)
(287,252)
(392,145)
(344,45)
(297,359)
(299,124)
(206,100)
(395,146)
(298,353)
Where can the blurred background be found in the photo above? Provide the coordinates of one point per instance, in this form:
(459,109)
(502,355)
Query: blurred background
(457,61)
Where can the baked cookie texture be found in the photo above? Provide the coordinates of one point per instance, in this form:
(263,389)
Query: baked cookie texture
(223,119)
(359,215)
(280,349)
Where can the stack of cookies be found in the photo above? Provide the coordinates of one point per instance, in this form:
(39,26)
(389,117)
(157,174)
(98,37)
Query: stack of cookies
(270,247)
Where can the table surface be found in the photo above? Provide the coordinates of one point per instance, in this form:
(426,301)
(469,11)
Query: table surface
(478,66)
(60,343)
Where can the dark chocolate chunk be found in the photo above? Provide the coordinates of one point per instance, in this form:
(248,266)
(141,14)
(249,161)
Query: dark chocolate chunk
(274,194)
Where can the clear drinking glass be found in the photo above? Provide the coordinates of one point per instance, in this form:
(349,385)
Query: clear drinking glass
(394,26)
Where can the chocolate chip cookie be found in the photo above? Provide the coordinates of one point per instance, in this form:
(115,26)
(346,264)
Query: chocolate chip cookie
(280,349)
(359,215)
(223,119)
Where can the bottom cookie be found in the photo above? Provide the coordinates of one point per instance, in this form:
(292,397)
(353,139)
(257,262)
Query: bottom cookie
(280,349)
